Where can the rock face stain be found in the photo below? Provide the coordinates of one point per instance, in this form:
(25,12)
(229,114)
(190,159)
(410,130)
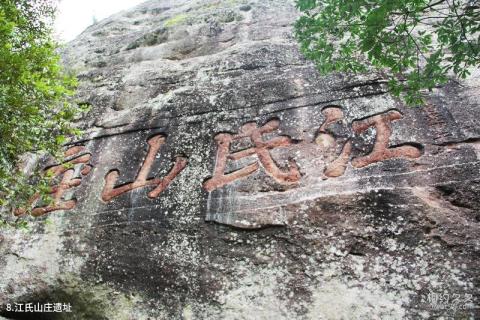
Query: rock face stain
(154,143)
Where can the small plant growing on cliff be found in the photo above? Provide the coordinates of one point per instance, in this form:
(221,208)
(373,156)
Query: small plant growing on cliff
(35,95)
(418,43)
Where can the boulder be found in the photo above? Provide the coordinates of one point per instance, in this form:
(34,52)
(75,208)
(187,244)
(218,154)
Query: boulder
(220,176)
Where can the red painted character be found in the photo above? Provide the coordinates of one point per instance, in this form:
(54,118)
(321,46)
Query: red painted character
(381,150)
(76,158)
(154,143)
(260,148)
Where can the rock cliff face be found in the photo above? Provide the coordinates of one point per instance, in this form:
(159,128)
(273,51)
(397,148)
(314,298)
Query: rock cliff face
(221,177)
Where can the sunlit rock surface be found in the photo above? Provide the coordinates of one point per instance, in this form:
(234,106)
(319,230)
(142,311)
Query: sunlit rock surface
(221,177)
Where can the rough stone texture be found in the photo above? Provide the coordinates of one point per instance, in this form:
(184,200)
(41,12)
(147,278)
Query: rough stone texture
(370,238)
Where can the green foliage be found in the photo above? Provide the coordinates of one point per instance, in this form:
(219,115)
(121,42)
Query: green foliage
(35,95)
(19,225)
(176,20)
(418,43)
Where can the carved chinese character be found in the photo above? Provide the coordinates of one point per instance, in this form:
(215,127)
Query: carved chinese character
(260,148)
(339,165)
(327,140)
(74,156)
(332,114)
(154,143)
(380,152)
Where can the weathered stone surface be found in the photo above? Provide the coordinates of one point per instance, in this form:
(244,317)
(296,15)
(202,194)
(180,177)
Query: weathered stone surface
(330,199)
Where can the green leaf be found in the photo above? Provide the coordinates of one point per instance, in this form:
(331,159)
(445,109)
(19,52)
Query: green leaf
(405,40)
(35,95)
